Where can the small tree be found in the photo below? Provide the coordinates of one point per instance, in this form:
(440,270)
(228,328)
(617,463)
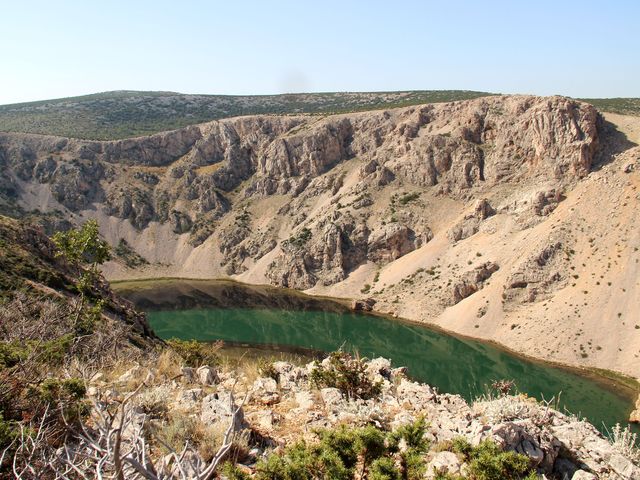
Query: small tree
(85,251)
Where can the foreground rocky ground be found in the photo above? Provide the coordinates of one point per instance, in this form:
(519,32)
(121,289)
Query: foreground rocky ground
(270,412)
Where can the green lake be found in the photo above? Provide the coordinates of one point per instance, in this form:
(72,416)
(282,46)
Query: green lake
(237,314)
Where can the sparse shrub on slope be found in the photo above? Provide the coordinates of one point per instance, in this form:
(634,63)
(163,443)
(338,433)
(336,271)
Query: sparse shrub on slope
(346,373)
(488,462)
(53,335)
(347,453)
(194,353)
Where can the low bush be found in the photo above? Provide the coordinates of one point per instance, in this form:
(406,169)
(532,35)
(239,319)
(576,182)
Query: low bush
(346,453)
(488,462)
(347,374)
(194,353)
(266,369)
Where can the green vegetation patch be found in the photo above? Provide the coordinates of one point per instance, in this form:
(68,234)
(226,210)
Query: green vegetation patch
(125,114)
(622,106)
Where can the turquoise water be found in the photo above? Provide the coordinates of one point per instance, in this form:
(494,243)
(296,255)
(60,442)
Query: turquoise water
(450,363)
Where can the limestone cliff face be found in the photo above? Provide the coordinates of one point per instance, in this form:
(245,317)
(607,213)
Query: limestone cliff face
(191,176)
(404,205)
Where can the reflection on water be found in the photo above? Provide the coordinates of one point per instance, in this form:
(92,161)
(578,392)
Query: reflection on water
(263,315)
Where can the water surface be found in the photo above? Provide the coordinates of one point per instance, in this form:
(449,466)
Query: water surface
(450,363)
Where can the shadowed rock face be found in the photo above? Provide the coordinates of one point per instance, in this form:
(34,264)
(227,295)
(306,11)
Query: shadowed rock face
(198,177)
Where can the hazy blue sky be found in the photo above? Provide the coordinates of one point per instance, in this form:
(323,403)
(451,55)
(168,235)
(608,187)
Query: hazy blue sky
(52,49)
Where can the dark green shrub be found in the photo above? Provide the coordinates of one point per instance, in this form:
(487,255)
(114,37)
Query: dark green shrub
(487,461)
(303,462)
(266,369)
(342,441)
(384,468)
(348,453)
(231,472)
(194,353)
(408,197)
(11,353)
(412,434)
(347,374)
(300,239)
(462,446)
(7,432)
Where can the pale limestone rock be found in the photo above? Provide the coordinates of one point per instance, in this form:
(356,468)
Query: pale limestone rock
(265,391)
(129,374)
(415,395)
(305,400)
(264,419)
(444,463)
(220,407)
(207,375)
(624,467)
(188,374)
(332,398)
(583,475)
(188,399)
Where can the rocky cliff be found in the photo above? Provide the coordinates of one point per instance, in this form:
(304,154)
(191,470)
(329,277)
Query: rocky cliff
(406,205)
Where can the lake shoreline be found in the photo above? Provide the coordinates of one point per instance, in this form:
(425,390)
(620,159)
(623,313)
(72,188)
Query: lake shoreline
(623,385)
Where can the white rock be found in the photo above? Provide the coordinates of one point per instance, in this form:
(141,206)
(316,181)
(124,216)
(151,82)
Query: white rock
(263,418)
(282,367)
(416,395)
(207,375)
(188,374)
(265,391)
(219,407)
(582,475)
(442,463)
(331,397)
(129,374)
(305,400)
(379,367)
(188,399)
(624,467)
(92,392)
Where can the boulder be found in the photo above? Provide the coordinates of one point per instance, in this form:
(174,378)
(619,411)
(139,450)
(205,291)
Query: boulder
(472,281)
(470,224)
(332,398)
(220,407)
(416,396)
(207,375)
(305,400)
(365,305)
(444,463)
(188,399)
(188,374)
(624,467)
(583,475)
(265,391)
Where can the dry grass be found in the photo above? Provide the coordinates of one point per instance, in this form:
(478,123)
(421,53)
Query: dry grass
(208,169)
(625,442)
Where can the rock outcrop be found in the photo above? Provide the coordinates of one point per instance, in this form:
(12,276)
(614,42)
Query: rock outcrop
(286,407)
(472,281)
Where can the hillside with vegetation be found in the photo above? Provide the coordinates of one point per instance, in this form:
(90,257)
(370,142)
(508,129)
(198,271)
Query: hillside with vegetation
(123,114)
(621,106)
